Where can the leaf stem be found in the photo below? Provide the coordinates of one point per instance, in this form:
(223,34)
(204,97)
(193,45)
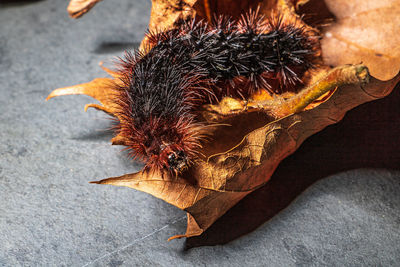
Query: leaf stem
(339,76)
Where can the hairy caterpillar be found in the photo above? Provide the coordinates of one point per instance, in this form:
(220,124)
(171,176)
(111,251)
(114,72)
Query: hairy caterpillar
(200,63)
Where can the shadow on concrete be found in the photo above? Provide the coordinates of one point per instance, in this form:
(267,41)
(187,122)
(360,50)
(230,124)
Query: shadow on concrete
(99,135)
(114,47)
(16,3)
(368,137)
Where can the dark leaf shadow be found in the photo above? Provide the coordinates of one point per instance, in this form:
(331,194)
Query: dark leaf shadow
(316,13)
(367,137)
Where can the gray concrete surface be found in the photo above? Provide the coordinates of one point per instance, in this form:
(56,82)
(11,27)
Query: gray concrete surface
(51,216)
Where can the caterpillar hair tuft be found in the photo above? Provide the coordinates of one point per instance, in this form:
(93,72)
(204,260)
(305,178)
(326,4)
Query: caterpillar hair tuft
(200,63)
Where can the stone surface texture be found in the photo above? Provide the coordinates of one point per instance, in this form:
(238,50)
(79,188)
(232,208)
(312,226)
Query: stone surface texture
(51,216)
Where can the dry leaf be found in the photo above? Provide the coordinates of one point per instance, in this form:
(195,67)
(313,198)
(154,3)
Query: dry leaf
(365,31)
(78,8)
(243,156)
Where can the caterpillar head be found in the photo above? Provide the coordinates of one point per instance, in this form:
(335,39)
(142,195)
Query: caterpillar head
(175,160)
(169,145)
(172,145)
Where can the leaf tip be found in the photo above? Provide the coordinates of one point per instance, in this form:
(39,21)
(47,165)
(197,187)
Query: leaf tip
(51,95)
(176,237)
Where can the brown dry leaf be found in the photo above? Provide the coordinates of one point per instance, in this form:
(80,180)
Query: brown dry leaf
(243,156)
(365,31)
(78,8)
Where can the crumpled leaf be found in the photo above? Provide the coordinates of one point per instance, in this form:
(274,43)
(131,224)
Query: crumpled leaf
(245,151)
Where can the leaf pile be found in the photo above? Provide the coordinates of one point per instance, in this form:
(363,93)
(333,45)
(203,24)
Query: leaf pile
(245,151)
